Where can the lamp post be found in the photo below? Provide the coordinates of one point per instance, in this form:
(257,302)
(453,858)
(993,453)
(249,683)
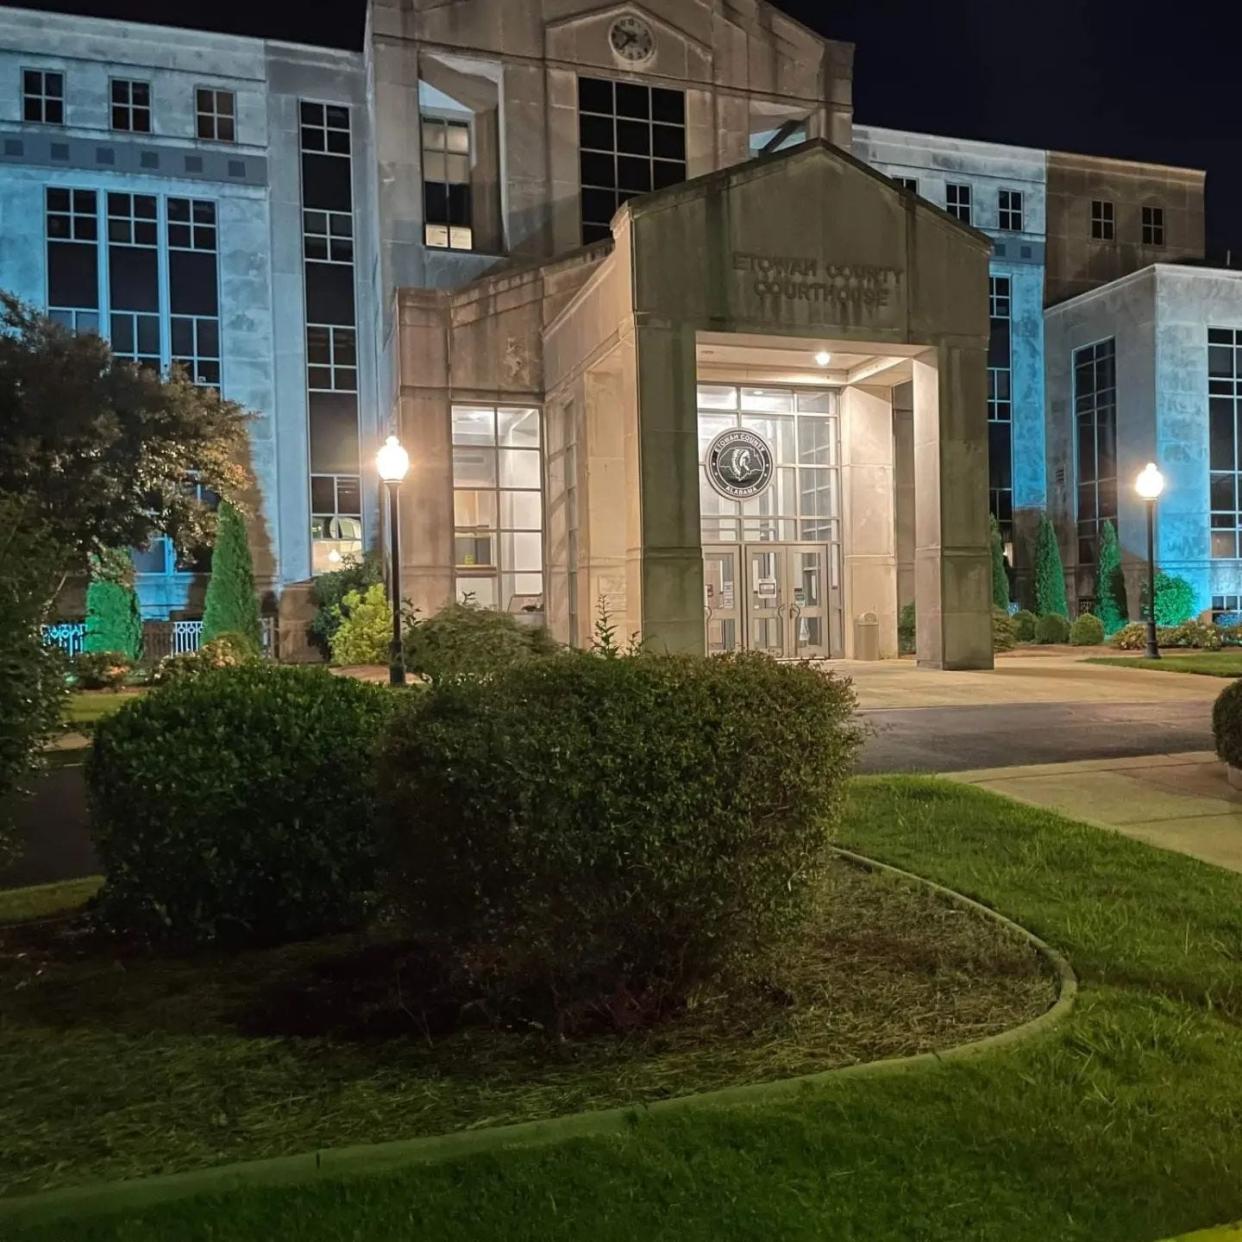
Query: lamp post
(393,462)
(1149,485)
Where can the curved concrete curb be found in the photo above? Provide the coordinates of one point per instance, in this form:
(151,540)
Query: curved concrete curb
(78,1202)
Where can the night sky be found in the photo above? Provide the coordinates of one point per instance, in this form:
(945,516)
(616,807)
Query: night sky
(1096,76)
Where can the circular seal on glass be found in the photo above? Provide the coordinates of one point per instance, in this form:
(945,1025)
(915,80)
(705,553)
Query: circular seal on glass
(739,464)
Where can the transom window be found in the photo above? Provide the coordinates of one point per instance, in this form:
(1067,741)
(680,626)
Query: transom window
(1009,210)
(325,128)
(1095,418)
(328,236)
(1103,227)
(1153,226)
(131,106)
(446,183)
(216,114)
(43,96)
(191,224)
(957,201)
(498,506)
(336,520)
(131,219)
(71,215)
(632,140)
(332,358)
(1225,453)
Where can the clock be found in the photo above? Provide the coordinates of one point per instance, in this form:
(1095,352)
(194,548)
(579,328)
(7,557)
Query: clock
(631,39)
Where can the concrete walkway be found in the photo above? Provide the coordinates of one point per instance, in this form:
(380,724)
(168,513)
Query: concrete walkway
(1177,802)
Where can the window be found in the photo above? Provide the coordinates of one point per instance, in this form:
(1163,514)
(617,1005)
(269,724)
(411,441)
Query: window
(216,113)
(1000,405)
(908,183)
(1095,419)
(1009,210)
(957,201)
(131,220)
(1226,609)
(446,183)
(325,128)
(160,555)
(1102,226)
(336,520)
(332,358)
(133,278)
(632,140)
(328,236)
(193,289)
(1224,410)
(1153,226)
(498,505)
(43,96)
(72,224)
(131,106)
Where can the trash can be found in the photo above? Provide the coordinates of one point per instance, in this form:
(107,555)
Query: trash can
(866,636)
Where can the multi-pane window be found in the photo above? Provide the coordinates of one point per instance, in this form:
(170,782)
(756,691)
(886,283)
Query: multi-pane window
(1009,210)
(908,183)
(160,555)
(131,106)
(332,358)
(632,140)
(1103,227)
(1224,440)
(73,258)
(1226,609)
(957,201)
(1095,421)
(1153,226)
(328,236)
(446,183)
(43,96)
(1000,405)
(133,278)
(336,519)
(325,128)
(215,114)
(193,289)
(498,505)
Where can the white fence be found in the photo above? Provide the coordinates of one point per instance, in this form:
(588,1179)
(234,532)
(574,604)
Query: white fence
(159,638)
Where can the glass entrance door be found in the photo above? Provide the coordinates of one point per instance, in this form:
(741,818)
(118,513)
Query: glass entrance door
(809,630)
(767,595)
(721,605)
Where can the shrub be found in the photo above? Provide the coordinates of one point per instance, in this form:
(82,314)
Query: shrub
(1087,631)
(1053,628)
(1110,582)
(227,651)
(1199,634)
(585,833)
(907,629)
(356,575)
(1024,625)
(464,640)
(100,670)
(1000,578)
(364,635)
(1133,637)
(1176,600)
(1049,573)
(237,806)
(1004,635)
(231,605)
(1227,724)
(113,622)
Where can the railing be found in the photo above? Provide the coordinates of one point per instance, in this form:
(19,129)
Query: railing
(159,638)
(69,636)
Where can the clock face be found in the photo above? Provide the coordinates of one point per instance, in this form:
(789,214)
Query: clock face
(631,39)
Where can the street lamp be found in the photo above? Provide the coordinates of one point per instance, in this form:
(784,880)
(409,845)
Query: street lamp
(393,462)
(1149,485)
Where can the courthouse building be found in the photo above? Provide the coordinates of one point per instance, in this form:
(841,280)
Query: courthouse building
(659,324)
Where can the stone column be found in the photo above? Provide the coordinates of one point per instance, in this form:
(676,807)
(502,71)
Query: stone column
(867,488)
(903,486)
(952,566)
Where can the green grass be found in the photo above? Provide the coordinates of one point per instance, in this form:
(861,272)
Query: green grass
(19,905)
(1122,1125)
(1208,663)
(86,708)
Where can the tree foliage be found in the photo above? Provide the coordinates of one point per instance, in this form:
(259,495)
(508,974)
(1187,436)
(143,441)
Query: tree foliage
(1000,579)
(102,451)
(1050,596)
(1176,599)
(364,634)
(113,621)
(231,606)
(1110,583)
(330,590)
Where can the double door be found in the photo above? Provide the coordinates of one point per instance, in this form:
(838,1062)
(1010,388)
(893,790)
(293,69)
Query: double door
(779,598)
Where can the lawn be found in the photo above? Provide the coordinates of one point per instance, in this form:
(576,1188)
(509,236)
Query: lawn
(86,708)
(1208,663)
(1122,1125)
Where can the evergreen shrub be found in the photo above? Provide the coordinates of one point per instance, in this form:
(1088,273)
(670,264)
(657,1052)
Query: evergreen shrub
(463,640)
(1087,630)
(1227,724)
(1024,625)
(1052,628)
(100,670)
(364,632)
(1004,632)
(1049,573)
(1176,600)
(231,605)
(907,629)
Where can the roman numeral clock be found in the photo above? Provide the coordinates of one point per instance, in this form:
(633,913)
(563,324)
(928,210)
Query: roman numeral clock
(631,40)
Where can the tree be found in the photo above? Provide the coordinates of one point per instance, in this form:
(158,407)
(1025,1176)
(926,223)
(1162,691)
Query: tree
(113,622)
(1000,579)
(1049,573)
(104,452)
(231,606)
(1110,583)
(1176,599)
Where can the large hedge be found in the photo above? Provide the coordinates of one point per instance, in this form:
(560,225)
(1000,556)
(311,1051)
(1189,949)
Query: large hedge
(465,641)
(113,621)
(237,806)
(582,833)
(1049,573)
(1110,582)
(231,605)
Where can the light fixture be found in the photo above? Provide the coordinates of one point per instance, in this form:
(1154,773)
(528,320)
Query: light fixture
(823,358)
(1149,485)
(335,557)
(1150,482)
(392,460)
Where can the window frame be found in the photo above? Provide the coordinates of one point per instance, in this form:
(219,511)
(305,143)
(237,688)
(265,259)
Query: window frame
(446,119)
(910,184)
(954,190)
(1152,225)
(1011,215)
(1103,220)
(1227,389)
(213,113)
(42,95)
(1099,517)
(129,107)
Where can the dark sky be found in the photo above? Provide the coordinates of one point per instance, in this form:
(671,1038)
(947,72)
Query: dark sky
(1097,76)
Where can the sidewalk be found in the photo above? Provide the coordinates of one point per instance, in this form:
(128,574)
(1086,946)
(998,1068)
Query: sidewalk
(1177,802)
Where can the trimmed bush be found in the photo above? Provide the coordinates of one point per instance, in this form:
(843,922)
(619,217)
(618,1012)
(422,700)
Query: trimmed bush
(1024,625)
(589,836)
(113,621)
(227,651)
(364,634)
(464,640)
(1227,724)
(1053,628)
(237,806)
(1176,600)
(1087,631)
(1000,578)
(231,605)
(356,574)
(907,629)
(1199,634)
(100,670)
(1004,633)
(1049,573)
(1110,582)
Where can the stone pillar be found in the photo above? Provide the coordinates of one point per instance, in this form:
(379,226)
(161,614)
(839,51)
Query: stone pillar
(672,551)
(903,487)
(952,565)
(867,489)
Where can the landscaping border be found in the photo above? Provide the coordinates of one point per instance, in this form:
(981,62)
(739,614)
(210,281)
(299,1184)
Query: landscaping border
(98,1198)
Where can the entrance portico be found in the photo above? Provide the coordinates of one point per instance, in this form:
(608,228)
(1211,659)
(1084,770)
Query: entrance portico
(786,300)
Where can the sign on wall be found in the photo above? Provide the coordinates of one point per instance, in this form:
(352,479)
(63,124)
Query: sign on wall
(740,464)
